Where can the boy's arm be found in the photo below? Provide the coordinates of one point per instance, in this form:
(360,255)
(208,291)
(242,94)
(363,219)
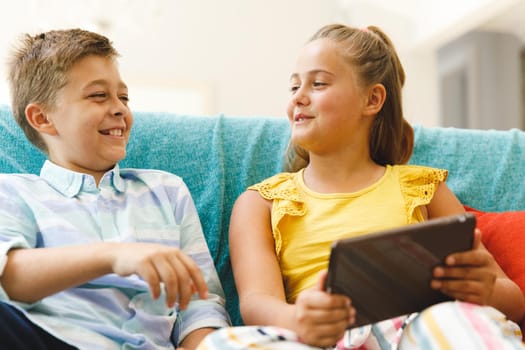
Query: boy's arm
(32,274)
(202,313)
(55,269)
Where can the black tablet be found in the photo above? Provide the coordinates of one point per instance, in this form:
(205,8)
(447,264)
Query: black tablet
(388,273)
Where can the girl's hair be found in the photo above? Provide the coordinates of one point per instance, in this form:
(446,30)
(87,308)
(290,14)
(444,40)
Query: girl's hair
(375,60)
(38,69)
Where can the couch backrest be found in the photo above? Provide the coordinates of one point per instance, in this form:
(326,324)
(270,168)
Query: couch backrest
(219,156)
(486,167)
(216,156)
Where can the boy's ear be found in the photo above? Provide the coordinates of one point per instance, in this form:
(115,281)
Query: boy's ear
(37,117)
(376,99)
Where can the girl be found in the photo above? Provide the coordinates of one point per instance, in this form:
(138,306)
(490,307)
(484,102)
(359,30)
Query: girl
(348,149)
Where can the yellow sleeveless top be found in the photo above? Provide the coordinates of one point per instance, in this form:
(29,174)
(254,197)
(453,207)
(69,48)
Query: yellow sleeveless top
(305,223)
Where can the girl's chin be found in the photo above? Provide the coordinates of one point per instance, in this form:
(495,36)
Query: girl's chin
(298,138)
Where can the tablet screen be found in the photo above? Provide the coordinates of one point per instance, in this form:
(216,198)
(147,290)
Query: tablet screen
(388,273)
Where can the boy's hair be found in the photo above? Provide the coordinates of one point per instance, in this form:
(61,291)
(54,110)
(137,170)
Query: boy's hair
(375,60)
(38,69)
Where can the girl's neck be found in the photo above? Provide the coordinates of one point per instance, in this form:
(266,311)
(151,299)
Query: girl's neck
(325,176)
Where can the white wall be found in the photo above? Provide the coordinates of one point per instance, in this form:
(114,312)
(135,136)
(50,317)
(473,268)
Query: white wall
(242,50)
(235,56)
(486,69)
(236,53)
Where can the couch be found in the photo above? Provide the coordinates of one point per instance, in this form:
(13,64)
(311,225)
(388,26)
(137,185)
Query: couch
(219,156)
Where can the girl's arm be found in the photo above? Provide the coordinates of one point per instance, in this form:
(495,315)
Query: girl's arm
(317,317)
(478,277)
(256,270)
(193,339)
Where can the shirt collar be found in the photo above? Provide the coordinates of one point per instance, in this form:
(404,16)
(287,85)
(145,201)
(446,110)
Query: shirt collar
(71,183)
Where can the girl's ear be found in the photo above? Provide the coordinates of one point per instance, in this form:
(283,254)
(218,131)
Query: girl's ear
(376,99)
(36,116)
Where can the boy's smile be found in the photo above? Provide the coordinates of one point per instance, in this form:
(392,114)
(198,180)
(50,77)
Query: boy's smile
(89,125)
(112,132)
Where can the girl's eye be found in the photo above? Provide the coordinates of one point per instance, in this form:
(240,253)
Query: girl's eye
(124,98)
(98,95)
(294,88)
(318,83)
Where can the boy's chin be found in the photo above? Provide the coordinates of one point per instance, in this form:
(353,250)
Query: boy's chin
(111,162)
(117,156)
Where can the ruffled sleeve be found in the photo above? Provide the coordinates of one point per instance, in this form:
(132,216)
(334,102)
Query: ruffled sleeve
(282,190)
(419,184)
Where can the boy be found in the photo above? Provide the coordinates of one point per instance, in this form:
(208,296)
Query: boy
(117,248)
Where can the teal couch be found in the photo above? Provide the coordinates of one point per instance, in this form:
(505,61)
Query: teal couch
(219,156)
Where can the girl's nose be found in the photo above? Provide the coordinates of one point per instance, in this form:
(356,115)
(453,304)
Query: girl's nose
(300,98)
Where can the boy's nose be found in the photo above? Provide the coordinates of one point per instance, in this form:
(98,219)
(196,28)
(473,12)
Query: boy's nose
(118,112)
(118,108)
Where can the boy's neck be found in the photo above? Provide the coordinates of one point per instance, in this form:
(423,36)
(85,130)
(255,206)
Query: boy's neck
(97,175)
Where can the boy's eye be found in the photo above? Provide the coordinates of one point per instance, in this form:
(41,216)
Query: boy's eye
(294,88)
(318,83)
(124,98)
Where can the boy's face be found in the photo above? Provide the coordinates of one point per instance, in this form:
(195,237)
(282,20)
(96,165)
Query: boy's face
(91,120)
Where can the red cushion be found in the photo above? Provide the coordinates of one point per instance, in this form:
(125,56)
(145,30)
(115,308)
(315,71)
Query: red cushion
(504,236)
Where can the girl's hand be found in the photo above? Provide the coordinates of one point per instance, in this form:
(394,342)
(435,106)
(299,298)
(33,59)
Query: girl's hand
(322,318)
(468,276)
(160,265)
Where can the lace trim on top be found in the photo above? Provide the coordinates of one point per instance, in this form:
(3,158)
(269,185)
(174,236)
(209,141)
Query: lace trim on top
(418,185)
(287,200)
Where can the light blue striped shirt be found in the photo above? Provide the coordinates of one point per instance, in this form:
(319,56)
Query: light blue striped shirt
(61,207)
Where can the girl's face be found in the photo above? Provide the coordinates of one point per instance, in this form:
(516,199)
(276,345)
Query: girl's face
(326,104)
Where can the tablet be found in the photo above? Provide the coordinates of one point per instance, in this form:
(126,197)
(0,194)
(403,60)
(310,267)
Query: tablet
(388,273)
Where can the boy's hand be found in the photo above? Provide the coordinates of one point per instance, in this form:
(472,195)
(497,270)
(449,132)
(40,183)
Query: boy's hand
(322,318)
(160,265)
(468,276)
